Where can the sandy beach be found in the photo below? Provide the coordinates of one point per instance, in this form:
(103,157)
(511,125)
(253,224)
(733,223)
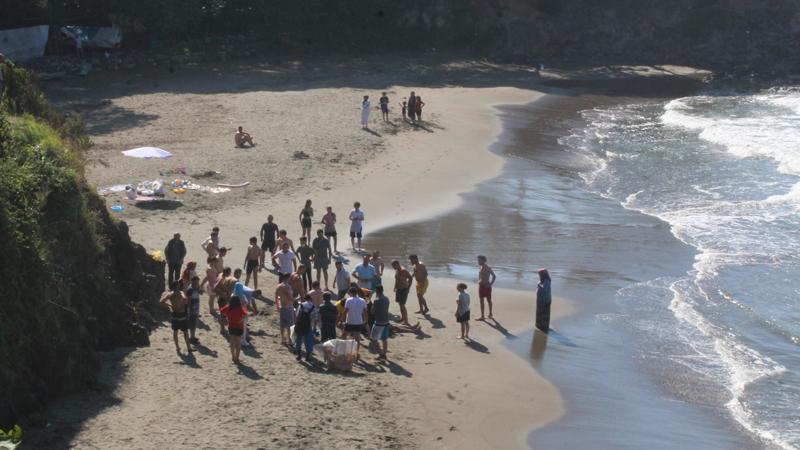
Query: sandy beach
(435,392)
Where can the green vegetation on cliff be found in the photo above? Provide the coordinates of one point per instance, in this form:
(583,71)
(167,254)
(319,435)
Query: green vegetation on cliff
(73,282)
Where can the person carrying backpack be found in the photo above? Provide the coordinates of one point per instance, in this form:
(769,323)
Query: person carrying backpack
(302,328)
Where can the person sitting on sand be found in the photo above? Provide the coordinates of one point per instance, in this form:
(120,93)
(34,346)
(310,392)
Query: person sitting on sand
(235,313)
(284,304)
(421,275)
(179,306)
(355,309)
(252,261)
(328,316)
(486,279)
(402,284)
(380,312)
(341,280)
(462,310)
(241,138)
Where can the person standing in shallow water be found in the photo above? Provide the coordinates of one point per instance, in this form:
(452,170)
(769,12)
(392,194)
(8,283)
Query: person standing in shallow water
(543,300)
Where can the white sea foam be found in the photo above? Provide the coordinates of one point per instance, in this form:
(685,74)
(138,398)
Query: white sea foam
(731,226)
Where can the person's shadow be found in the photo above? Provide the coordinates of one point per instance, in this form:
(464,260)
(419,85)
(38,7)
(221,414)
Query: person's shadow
(248,371)
(205,351)
(372,132)
(188,359)
(499,327)
(477,346)
(435,323)
(395,368)
(251,352)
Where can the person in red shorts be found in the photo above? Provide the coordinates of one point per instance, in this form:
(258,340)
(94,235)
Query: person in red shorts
(235,313)
(486,279)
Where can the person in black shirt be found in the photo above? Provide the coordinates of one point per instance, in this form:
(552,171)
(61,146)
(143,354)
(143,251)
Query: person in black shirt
(269,236)
(328,315)
(174,253)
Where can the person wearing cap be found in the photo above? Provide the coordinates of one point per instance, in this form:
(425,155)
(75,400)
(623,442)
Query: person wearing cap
(174,253)
(211,244)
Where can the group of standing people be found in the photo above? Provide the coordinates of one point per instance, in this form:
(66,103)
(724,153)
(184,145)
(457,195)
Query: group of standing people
(361,307)
(411,108)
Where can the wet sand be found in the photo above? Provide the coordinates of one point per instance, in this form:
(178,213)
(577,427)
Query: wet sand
(536,214)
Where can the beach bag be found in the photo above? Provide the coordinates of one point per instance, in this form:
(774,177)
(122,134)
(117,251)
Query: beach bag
(303,325)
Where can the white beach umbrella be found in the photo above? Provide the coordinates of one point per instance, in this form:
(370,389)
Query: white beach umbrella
(147,153)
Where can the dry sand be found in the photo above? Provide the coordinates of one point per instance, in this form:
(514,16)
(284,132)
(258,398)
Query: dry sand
(436,392)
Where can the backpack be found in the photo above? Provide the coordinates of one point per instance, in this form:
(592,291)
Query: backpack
(303,325)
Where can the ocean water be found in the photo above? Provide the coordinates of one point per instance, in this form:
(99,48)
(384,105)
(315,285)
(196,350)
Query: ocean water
(723,171)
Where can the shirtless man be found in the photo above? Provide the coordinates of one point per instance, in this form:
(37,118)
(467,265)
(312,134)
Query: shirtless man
(179,305)
(402,284)
(241,138)
(421,275)
(284,303)
(211,244)
(377,263)
(252,261)
(329,220)
(224,290)
(297,283)
(284,239)
(486,279)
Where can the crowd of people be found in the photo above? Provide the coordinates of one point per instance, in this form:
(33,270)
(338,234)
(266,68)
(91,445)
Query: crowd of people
(352,304)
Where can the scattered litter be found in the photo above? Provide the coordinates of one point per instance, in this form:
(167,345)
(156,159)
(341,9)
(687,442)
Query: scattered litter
(147,153)
(301,155)
(154,188)
(240,185)
(118,208)
(112,189)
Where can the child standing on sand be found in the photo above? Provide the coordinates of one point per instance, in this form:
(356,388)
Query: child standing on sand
(235,313)
(462,310)
(194,307)
(403,108)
